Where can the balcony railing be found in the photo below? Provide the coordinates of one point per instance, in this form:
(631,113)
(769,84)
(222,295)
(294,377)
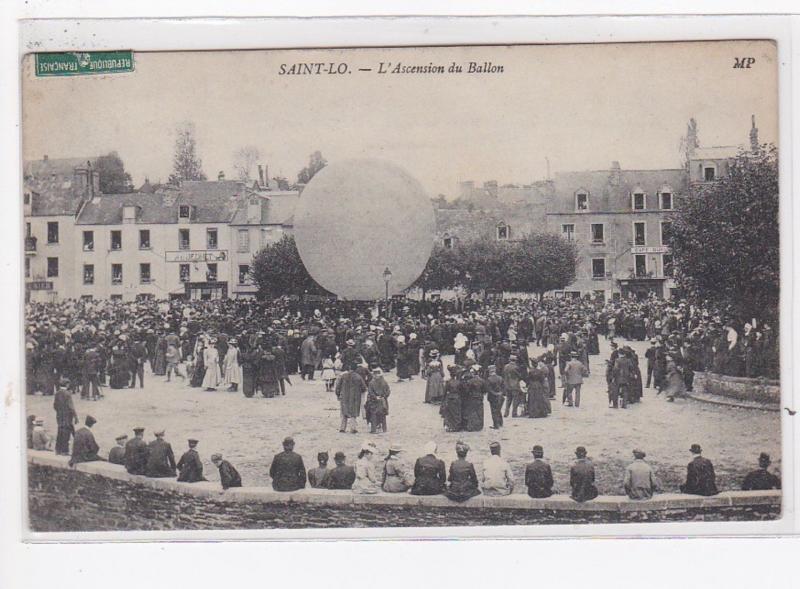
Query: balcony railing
(30,245)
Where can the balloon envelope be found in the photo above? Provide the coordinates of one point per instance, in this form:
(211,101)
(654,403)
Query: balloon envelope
(358,217)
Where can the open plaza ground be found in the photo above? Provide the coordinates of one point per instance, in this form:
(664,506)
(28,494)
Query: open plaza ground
(248,432)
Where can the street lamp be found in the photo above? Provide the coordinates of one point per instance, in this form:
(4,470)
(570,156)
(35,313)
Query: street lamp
(387,276)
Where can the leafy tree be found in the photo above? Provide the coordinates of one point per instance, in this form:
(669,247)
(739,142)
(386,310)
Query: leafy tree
(278,270)
(186,164)
(244,159)
(540,262)
(113,177)
(482,264)
(725,239)
(315,163)
(442,271)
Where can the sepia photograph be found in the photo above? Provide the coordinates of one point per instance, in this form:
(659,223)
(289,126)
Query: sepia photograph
(401,287)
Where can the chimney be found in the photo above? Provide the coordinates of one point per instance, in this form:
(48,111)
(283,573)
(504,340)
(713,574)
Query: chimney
(615,174)
(692,141)
(220,176)
(753,134)
(491,188)
(261,175)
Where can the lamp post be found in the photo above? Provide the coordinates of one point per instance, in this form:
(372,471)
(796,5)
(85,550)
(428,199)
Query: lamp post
(387,276)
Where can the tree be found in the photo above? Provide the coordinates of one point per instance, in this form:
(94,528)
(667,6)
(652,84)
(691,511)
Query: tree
(315,163)
(725,239)
(278,270)
(113,177)
(540,262)
(244,160)
(186,164)
(442,271)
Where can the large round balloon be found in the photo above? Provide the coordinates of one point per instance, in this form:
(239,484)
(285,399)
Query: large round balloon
(355,219)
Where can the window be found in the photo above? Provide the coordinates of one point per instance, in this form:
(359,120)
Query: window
(184,272)
(52,267)
(666,201)
(598,233)
(598,267)
(581,201)
(183,239)
(568,230)
(52,232)
(144,273)
(116,273)
(447,242)
(667,264)
(211,272)
(639,237)
(88,273)
(27,229)
(116,297)
(244,272)
(27,267)
(503,232)
(211,239)
(86,297)
(129,214)
(709,173)
(144,239)
(244,240)
(266,233)
(184,211)
(600,295)
(640,265)
(88,241)
(145,296)
(666,232)
(116,240)
(26,198)
(638,201)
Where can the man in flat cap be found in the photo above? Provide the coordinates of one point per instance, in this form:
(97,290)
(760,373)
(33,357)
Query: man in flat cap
(538,475)
(581,477)
(287,470)
(190,467)
(761,479)
(228,475)
(136,453)
(84,447)
(640,481)
(160,458)
(700,477)
(117,454)
(574,373)
(496,476)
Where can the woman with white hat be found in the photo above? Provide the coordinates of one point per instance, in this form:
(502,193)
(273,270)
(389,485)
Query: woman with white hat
(366,478)
(397,474)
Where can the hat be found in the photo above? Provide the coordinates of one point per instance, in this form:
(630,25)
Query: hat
(494,444)
(434,353)
(368,446)
(763,458)
(395,448)
(350,342)
(90,420)
(138,430)
(159,432)
(430,448)
(339,455)
(377,371)
(573,354)
(537,450)
(322,455)
(192,442)
(580,452)
(462,446)
(695,449)
(38,421)
(288,441)
(215,457)
(639,453)
(121,437)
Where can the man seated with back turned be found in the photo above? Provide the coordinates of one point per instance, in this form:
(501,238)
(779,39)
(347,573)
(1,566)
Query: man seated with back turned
(761,479)
(700,477)
(288,471)
(538,476)
(117,454)
(160,458)
(228,475)
(136,453)
(341,476)
(84,446)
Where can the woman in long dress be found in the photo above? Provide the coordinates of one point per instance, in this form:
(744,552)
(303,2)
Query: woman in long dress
(451,404)
(403,359)
(434,373)
(233,372)
(538,405)
(366,482)
(199,362)
(212,377)
(160,366)
(120,374)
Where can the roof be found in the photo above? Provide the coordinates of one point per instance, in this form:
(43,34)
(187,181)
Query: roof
(466,225)
(211,202)
(277,208)
(717,152)
(51,183)
(608,195)
(58,166)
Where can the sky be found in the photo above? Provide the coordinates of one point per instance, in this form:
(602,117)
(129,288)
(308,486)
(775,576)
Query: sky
(578,106)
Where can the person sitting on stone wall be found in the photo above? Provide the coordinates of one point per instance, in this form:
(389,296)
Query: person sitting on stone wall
(341,476)
(190,467)
(581,477)
(117,454)
(228,475)
(136,452)
(287,470)
(761,479)
(700,477)
(640,481)
(496,476)
(538,475)
(317,475)
(430,475)
(40,438)
(160,458)
(463,478)
(84,446)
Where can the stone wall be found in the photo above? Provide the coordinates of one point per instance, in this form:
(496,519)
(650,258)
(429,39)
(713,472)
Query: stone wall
(99,497)
(754,390)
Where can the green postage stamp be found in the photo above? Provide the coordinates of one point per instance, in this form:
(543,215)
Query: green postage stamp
(83,63)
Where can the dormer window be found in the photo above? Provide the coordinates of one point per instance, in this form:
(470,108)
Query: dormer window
(638,200)
(709,172)
(503,231)
(184,211)
(581,200)
(129,214)
(448,242)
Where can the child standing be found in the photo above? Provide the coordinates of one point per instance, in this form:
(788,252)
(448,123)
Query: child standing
(328,374)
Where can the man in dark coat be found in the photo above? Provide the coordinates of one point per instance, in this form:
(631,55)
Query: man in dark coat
(117,454)
(66,418)
(494,382)
(430,475)
(350,388)
(160,459)
(138,355)
(622,375)
(190,467)
(341,476)
(700,477)
(91,371)
(581,477)
(84,447)
(538,476)
(761,479)
(228,475)
(287,470)
(308,357)
(136,453)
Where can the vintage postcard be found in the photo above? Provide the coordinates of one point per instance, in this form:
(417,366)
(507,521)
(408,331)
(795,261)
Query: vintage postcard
(416,287)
